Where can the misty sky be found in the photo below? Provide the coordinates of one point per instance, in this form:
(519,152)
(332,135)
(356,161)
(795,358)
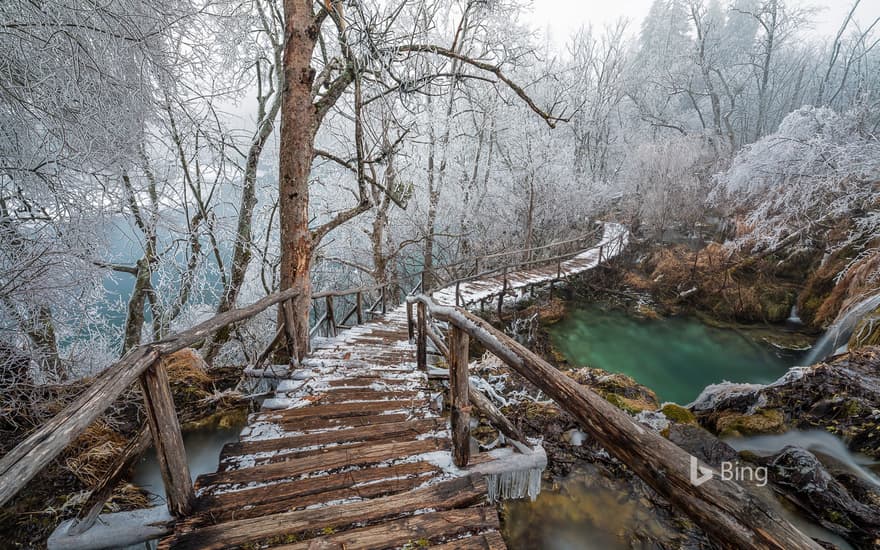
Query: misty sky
(561,17)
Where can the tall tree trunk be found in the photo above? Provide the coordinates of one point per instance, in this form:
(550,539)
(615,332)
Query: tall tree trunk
(298,127)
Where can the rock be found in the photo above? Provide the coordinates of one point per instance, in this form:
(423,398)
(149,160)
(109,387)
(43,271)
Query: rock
(841,396)
(799,475)
(701,444)
(618,389)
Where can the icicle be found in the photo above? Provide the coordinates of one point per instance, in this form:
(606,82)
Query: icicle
(514,476)
(514,484)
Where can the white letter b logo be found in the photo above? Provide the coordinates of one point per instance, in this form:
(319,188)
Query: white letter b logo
(699,474)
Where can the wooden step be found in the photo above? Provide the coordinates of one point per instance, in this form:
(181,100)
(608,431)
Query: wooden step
(285,496)
(331,459)
(491,540)
(333,410)
(351,435)
(447,495)
(412,530)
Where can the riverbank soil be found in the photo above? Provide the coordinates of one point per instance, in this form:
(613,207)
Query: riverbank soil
(202,396)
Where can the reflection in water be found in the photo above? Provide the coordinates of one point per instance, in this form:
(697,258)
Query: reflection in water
(676,357)
(585,511)
(202,453)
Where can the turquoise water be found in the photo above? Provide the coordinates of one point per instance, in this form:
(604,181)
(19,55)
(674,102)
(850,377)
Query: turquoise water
(676,357)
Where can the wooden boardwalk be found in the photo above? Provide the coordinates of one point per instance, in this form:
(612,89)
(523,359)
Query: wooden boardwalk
(352,451)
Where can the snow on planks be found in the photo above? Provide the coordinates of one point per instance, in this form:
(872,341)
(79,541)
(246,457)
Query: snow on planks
(350,453)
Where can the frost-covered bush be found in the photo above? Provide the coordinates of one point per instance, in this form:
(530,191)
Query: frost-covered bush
(817,167)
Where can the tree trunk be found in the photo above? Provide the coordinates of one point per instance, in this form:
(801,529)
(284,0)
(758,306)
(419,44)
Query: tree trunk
(298,127)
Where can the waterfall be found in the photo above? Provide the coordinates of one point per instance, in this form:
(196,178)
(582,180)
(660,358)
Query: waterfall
(793,318)
(836,337)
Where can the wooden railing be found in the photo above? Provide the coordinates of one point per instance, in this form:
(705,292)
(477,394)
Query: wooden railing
(143,364)
(731,515)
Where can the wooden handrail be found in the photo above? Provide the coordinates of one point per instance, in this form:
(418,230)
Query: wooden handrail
(727,512)
(33,454)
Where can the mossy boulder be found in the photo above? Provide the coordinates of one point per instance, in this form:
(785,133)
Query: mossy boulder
(867,332)
(678,414)
(764,421)
(618,389)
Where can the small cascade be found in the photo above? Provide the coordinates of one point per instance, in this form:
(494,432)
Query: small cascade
(836,337)
(794,319)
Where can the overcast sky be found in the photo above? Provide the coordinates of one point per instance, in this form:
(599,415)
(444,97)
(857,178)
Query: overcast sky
(561,17)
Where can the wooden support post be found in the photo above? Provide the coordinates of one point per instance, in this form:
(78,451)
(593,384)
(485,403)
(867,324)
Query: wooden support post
(558,269)
(477,266)
(503,292)
(421,338)
(410,323)
(167,440)
(384,296)
(458,293)
(331,317)
(459,401)
(601,248)
(359,308)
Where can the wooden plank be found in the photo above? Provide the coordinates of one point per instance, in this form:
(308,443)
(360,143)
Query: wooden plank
(167,440)
(252,509)
(433,526)
(334,410)
(447,495)
(364,394)
(369,433)
(328,461)
(296,454)
(491,540)
(459,403)
(291,493)
(318,423)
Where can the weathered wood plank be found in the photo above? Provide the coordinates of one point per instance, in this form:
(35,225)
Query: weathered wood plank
(328,461)
(432,526)
(447,495)
(491,540)
(335,410)
(368,433)
(167,440)
(292,493)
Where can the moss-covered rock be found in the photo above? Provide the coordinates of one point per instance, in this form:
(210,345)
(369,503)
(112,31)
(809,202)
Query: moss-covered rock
(618,389)
(763,421)
(678,414)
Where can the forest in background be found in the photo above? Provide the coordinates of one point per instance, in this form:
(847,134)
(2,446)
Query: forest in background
(140,150)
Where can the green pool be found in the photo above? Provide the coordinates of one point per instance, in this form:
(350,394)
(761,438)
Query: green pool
(676,357)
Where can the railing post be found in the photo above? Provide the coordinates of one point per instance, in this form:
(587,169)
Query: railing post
(410,322)
(359,308)
(601,249)
(167,440)
(459,400)
(384,310)
(503,292)
(421,338)
(458,293)
(558,269)
(477,266)
(331,317)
